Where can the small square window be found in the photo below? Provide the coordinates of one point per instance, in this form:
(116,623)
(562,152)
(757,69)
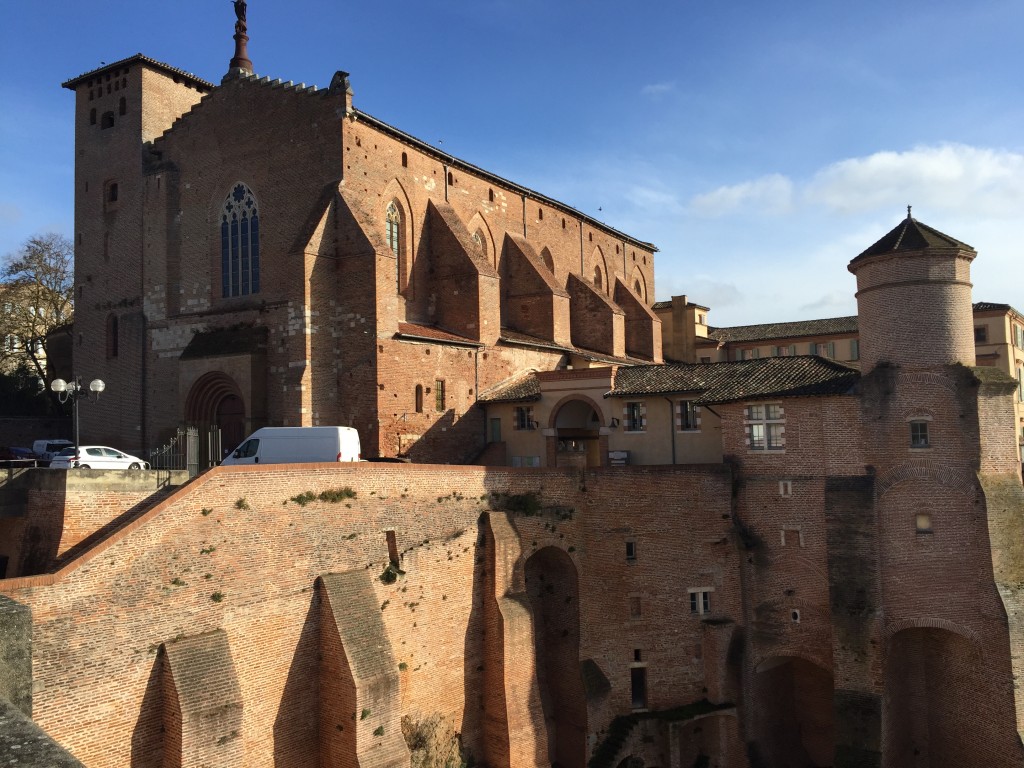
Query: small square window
(980,334)
(923,521)
(700,601)
(635,608)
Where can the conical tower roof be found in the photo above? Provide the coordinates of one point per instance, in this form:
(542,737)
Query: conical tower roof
(910,235)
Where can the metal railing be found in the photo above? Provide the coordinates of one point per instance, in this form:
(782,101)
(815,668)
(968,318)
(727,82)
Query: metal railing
(193,448)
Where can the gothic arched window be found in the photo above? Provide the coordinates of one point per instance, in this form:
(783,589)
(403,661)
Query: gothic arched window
(393,221)
(240,243)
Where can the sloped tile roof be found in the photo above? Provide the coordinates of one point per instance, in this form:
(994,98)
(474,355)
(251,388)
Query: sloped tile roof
(137,58)
(741,380)
(430,333)
(515,337)
(765,331)
(522,390)
(912,235)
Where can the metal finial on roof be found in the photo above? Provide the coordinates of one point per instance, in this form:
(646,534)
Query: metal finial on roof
(908,211)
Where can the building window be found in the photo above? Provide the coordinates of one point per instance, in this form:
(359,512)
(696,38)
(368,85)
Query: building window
(638,687)
(494,430)
(630,551)
(748,354)
(785,488)
(980,334)
(705,359)
(440,403)
(919,434)
(419,398)
(526,461)
(92,116)
(854,349)
(240,243)
(795,537)
(824,349)
(687,416)
(765,427)
(923,522)
(598,279)
(405,160)
(1018,336)
(635,417)
(700,600)
(635,607)
(784,351)
(122,106)
(1020,384)
(107,121)
(524,418)
(112,192)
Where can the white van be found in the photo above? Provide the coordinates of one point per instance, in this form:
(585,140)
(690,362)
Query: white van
(47,449)
(297,445)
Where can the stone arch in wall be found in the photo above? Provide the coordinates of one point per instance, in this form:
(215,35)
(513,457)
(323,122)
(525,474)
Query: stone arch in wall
(792,720)
(552,589)
(638,284)
(394,193)
(933,686)
(549,262)
(482,236)
(599,272)
(575,422)
(216,400)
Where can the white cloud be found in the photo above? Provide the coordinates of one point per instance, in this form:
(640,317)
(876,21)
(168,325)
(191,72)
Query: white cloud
(948,177)
(657,89)
(772,194)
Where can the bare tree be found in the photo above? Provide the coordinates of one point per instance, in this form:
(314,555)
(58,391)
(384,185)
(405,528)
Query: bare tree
(36,296)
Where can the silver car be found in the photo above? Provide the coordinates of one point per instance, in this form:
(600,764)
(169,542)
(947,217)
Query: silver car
(96,457)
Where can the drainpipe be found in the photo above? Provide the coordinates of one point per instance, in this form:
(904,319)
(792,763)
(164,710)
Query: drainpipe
(444,171)
(524,215)
(671,428)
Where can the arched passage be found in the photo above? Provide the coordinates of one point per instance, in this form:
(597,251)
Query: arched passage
(215,400)
(933,682)
(577,426)
(553,591)
(795,724)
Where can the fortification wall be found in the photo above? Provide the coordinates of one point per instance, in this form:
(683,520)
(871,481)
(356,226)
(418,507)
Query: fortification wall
(237,552)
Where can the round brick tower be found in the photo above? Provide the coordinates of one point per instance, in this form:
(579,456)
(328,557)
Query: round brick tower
(914,299)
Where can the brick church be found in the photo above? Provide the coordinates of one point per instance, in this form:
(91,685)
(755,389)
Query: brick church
(263,253)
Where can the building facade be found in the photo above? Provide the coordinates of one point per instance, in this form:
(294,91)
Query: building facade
(263,253)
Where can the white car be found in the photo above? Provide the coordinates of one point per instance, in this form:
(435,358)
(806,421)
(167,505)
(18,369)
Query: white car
(96,457)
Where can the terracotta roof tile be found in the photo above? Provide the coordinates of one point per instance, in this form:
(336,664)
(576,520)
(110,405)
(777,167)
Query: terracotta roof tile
(430,333)
(766,331)
(726,382)
(522,390)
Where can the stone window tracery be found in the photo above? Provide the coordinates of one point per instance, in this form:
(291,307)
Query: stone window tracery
(240,243)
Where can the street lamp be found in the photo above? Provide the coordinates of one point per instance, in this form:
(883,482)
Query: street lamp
(75,391)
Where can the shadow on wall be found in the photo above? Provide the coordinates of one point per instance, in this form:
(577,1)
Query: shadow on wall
(449,441)
(148,736)
(296,730)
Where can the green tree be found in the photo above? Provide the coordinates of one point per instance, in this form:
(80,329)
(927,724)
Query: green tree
(36,297)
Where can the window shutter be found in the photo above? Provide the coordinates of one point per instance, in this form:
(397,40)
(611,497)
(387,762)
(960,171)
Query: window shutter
(813,348)
(792,350)
(832,350)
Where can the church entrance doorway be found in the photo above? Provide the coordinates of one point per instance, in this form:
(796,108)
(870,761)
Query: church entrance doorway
(215,404)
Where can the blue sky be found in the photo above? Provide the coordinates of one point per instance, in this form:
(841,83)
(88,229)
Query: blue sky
(760,146)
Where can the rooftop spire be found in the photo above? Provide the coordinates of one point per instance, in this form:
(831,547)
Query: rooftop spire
(908,212)
(240,62)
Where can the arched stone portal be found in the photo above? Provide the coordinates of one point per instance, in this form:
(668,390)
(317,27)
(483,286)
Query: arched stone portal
(577,439)
(216,400)
(932,683)
(795,724)
(553,591)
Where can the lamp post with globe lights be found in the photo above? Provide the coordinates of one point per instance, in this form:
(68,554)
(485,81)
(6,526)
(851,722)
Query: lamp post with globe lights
(74,391)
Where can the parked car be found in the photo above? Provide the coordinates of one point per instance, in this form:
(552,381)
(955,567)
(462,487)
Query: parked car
(96,457)
(17,457)
(47,449)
